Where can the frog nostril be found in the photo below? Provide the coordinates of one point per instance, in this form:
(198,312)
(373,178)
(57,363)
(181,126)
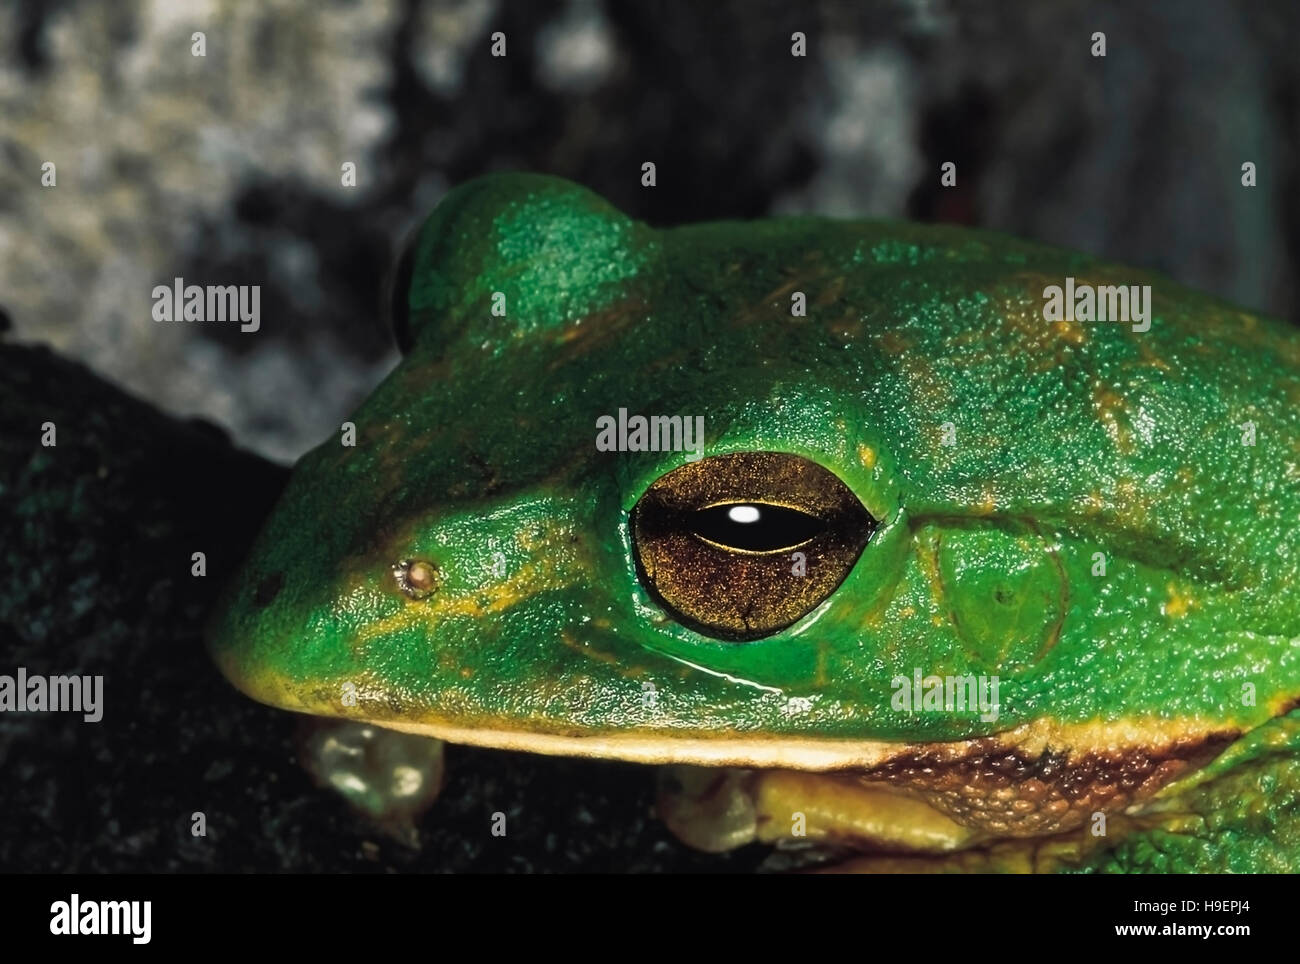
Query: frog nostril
(268,589)
(417,578)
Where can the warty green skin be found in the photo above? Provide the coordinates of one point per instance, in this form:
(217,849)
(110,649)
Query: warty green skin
(1071,439)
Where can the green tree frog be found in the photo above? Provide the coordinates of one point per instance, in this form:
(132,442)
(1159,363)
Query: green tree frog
(880,557)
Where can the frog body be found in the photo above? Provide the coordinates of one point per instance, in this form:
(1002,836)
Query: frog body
(1088,528)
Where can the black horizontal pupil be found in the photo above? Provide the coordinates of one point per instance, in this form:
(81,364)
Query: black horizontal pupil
(753,527)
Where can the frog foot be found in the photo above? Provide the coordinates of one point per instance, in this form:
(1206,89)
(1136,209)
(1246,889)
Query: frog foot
(977,815)
(390,777)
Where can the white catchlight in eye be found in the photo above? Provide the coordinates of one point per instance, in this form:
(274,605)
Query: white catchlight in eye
(743,513)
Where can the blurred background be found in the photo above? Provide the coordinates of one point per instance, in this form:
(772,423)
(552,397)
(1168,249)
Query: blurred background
(225,169)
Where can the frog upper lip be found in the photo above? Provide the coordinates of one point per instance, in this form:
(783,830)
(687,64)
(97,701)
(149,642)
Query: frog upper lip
(1033,744)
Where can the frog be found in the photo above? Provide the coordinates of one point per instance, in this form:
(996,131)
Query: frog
(950,583)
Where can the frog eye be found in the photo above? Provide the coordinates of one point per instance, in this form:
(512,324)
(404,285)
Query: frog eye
(740,546)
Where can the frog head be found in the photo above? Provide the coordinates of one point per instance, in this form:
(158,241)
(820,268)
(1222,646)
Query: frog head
(798,493)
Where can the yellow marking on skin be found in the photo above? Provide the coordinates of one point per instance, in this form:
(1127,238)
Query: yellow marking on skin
(1071,331)
(1045,344)
(846,328)
(1101,736)
(527,582)
(987,504)
(929,391)
(1149,357)
(574,330)
(778,298)
(587,650)
(892,343)
(526,539)
(867,456)
(575,341)
(778,294)
(874,618)
(830,293)
(1177,604)
(1109,407)
(1133,503)
(929,558)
